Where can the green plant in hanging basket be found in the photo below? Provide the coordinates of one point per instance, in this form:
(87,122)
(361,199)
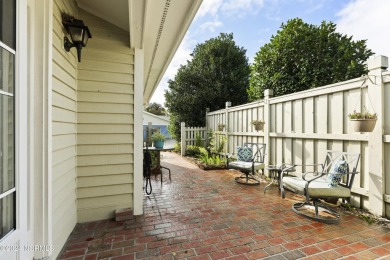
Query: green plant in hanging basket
(363,121)
(257,122)
(362,115)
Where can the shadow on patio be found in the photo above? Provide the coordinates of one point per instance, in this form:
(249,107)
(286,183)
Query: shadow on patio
(207,215)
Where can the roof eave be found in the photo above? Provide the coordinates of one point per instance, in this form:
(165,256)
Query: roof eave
(174,22)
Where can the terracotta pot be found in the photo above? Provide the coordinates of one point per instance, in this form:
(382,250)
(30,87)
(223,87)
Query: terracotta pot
(363,125)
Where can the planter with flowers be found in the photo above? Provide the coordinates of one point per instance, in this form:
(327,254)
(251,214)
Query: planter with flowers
(363,121)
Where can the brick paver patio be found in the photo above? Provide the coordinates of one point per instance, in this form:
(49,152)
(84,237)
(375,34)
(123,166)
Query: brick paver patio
(206,215)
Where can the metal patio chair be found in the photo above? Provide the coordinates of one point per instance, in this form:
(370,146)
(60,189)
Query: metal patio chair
(331,180)
(250,158)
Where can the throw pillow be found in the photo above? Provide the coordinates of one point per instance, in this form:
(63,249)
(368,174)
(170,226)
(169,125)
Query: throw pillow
(339,168)
(244,154)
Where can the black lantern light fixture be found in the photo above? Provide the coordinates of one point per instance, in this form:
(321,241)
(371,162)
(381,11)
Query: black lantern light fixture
(79,33)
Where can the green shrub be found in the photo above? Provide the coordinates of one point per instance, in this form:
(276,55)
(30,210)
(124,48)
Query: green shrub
(213,160)
(192,151)
(177,147)
(153,155)
(216,143)
(205,156)
(198,140)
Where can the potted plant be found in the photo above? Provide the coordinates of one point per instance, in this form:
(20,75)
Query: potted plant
(363,121)
(259,124)
(220,127)
(158,140)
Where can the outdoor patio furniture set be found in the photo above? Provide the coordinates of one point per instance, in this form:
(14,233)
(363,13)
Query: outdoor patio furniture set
(332,179)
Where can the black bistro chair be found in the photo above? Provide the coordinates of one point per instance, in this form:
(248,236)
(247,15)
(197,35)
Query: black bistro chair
(147,169)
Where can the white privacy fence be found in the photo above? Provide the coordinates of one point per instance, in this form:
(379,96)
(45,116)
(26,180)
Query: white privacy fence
(300,127)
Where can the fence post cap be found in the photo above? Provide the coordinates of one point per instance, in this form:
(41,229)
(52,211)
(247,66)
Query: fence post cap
(183,124)
(378,62)
(268,92)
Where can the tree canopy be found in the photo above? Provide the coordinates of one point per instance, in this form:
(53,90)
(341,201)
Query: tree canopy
(156,109)
(218,72)
(303,56)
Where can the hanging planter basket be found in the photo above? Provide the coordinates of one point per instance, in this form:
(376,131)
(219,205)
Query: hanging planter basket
(220,127)
(363,125)
(363,121)
(259,126)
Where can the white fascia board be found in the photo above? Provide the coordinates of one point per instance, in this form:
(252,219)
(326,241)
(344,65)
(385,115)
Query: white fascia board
(163,37)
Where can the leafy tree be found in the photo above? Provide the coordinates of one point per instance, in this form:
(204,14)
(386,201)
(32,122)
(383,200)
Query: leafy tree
(303,56)
(155,108)
(218,72)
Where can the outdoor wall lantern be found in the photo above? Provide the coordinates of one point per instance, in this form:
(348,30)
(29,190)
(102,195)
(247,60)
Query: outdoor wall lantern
(79,33)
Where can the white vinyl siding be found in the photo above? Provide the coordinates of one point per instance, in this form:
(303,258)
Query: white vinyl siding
(64,120)
(105,122)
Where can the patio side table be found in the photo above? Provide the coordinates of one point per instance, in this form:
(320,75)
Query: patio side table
(275,172)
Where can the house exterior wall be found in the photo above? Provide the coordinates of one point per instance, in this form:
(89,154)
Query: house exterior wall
(105,119)
(156,120)
(64,121)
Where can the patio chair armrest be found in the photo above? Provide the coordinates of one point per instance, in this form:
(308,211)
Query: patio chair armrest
(350,173)
(287,170)
(316,164)
(304,174)
(316,174)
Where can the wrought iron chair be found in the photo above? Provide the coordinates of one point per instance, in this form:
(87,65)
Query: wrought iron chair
(250,161)
(331,180)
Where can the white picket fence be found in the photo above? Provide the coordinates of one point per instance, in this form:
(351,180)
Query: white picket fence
(300,127)
(189,136)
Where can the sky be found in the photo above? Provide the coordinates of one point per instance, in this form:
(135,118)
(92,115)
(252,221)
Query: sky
(253,22)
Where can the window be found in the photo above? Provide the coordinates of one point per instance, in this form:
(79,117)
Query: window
(8,23)
(7,111)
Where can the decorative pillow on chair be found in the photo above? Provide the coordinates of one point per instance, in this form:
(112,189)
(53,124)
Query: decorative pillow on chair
(244,154)
(339,168)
